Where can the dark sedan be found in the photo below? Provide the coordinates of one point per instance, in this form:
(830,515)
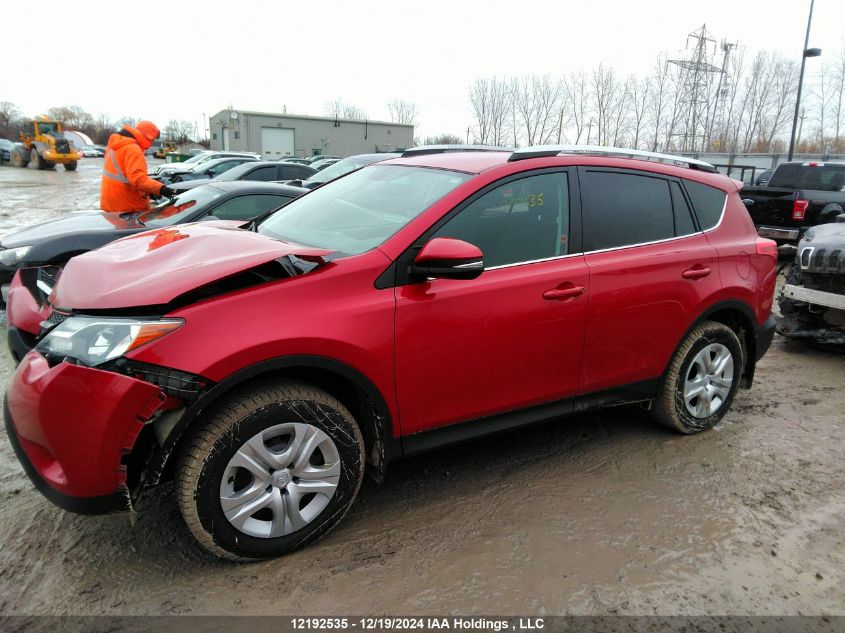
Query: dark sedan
(53,243)
(343,167)
(260,171)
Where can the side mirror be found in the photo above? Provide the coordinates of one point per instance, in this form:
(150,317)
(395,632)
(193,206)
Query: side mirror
(448,258)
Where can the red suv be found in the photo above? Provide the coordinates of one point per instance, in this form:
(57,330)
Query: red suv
(419,301)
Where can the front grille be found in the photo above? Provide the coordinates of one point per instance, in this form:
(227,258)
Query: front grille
(171,381)
(824,261)
(62,146)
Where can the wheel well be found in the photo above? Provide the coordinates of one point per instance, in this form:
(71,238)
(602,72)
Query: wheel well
(365,405)
(742,325)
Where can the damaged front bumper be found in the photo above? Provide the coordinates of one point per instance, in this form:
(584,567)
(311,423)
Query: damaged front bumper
(72,428)
(820,318)
(816,332)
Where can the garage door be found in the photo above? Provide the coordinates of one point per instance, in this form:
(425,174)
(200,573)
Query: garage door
(276,143)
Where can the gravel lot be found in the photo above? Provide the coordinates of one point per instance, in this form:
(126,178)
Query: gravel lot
(600,514)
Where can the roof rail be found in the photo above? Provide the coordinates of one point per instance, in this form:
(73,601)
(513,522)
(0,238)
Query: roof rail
(597,150)
(424,150)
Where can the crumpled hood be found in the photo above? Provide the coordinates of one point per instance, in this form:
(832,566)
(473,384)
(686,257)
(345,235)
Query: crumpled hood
(155,267)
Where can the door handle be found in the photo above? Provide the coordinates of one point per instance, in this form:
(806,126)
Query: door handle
(563,293)
(696,272)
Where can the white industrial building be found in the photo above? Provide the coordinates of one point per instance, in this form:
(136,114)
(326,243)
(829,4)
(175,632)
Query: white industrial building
(275,136)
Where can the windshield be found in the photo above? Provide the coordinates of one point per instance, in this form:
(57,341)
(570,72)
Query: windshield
(359,212)
(829,177)
(337,170)
(183,206)
(194,159)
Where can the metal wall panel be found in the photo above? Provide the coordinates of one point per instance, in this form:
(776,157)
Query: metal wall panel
(312,135)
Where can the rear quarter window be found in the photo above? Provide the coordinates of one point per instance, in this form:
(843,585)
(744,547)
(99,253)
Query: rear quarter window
(708,203)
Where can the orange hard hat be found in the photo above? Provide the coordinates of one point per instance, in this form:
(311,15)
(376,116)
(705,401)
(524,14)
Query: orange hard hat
(148,129)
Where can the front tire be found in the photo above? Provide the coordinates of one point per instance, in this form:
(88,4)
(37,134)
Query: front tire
(71,166)
(702,379)
(272,470)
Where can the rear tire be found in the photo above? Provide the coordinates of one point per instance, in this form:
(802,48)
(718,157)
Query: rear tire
(35,159)
(702,379)
(285,458)
(71,166)
(18,159)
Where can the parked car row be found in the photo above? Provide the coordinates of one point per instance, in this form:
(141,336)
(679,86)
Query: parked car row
(166,171)
(93,151)
(257,171)
(409,303)
(6,150)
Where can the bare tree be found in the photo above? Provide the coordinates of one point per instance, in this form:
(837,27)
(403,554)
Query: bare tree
(443,139)
(73,117)
(749,104)
(178,131)
(404,112)
(538,102)
(660,86)
(576,95)
(728,119)
(639,102)
(340,109)
(479,100)
(604,85)
(620,121)
(784,79)
(10,116)
(103,127)
(839,91)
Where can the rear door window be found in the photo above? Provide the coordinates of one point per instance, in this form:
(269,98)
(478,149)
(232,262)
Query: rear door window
(263,174)
(624,209)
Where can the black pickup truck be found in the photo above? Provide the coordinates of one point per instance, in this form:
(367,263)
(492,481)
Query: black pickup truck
(798,196)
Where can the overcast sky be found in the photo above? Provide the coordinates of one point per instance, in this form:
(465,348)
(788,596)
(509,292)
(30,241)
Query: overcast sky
(179,59)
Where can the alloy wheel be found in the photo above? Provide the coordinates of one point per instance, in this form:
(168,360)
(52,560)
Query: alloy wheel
(708,381)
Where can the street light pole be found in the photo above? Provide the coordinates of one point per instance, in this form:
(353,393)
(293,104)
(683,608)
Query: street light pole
(808,52)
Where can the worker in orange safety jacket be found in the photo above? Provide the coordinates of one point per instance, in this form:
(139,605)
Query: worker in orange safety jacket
(125,185)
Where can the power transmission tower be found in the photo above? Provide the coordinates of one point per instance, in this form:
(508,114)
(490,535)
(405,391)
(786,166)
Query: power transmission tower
(696,80)
(721,93)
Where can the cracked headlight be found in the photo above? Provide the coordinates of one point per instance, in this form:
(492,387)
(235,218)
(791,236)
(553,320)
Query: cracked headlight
(12,256)
(93,341)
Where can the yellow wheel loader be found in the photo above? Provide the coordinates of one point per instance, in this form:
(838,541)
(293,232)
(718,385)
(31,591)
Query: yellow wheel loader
(45,145)
(165,149)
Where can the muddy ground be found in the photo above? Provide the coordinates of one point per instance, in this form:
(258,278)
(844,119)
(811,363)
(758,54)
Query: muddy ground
(599,514)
